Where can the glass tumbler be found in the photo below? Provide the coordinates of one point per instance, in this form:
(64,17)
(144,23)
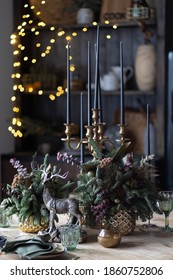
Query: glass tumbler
(70,235)
(4,218)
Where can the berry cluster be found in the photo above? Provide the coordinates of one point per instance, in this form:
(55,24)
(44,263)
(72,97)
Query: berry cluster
(101,209)
(105,161)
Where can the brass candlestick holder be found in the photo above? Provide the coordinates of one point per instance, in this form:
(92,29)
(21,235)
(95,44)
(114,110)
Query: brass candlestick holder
(94,131)
(122,133)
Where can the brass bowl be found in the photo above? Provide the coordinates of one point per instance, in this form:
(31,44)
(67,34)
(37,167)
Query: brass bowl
(108,239)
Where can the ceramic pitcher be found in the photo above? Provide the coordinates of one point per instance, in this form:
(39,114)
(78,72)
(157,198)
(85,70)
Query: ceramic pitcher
(109,81)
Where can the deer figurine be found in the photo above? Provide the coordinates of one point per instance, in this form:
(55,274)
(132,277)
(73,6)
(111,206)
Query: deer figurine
(60,205)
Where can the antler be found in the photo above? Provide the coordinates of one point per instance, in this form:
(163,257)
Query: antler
(58,175)
(54,175)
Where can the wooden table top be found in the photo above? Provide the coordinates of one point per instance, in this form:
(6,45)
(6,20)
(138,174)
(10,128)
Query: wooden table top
(138,246)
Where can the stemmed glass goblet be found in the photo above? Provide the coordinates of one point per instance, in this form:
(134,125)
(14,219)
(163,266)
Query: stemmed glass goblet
(165,201)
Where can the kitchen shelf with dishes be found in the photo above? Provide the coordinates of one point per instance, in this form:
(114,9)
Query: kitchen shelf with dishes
(49,104)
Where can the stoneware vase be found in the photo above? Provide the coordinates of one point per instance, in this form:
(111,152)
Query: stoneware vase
(145,67)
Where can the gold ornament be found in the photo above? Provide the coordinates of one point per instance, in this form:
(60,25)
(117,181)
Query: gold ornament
(124,222)
(29,226)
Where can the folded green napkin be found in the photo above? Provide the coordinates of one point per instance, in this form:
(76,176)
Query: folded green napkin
(2,241)
(30,248)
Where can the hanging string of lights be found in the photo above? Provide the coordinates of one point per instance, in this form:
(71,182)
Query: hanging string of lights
(28,24)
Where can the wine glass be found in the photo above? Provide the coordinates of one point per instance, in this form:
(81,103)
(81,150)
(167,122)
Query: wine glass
(165,201)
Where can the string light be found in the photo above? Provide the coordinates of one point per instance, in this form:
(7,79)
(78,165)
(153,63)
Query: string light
(22,31)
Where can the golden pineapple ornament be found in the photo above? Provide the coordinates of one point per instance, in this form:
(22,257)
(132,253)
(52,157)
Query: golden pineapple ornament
(124,222)
(29,226)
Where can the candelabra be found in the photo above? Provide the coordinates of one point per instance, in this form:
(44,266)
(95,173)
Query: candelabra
(94,131)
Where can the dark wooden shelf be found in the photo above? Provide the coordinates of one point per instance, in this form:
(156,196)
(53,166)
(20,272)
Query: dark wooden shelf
(117,92)
(130,23)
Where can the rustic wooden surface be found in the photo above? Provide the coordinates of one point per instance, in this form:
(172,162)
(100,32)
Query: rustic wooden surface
(138,246)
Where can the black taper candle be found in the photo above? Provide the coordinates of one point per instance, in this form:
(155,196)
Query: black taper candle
(99,93)
(81,129)
(89,84)
(122,115)
(96,70)
(148,130)
(68,86)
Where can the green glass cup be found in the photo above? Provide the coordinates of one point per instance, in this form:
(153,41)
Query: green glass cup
(4,218)
(70,235)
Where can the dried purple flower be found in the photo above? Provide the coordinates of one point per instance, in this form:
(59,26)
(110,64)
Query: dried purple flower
(19,167)
(68,158)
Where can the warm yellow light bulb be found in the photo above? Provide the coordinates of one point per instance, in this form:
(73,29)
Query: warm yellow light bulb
(16,109)
(13,76)
(40,92)
(61,33)
(13,98)
(18,75)
(115,26)
(41,23)
(30,89)
(108,36)
(14,120)
(85,29)
(74,34)
(68,38)
(22,89)
(52,97)
(72,68)
(52,41)
(16,52)
(13,36)
(16,64)
(18,123)
(13,41)
(15,87)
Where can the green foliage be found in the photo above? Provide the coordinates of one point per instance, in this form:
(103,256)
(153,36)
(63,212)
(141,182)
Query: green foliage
(25,193)
(115,181)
